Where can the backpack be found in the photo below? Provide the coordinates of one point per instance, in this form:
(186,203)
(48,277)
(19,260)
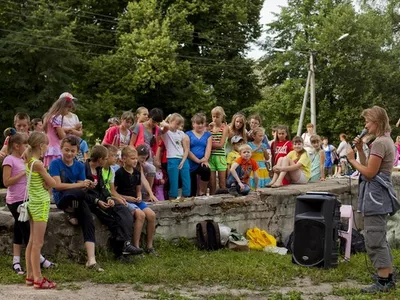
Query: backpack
(208,235)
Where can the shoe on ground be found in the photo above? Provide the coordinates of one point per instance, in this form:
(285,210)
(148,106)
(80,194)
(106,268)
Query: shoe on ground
(379,288)
(129,249)
(395,275)
(151,251)
(233,191)
(125,259)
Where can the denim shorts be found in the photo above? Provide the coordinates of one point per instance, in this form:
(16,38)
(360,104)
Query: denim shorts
(132,206)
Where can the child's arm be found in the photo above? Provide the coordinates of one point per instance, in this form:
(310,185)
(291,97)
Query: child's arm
(59,186)
(186,145)
(157,157)
(48,180)
(139,193)
(221,143)
(194,157)
(322,164)
(117,196)
(7,179)
(147,187)
(235,175)
(207,154)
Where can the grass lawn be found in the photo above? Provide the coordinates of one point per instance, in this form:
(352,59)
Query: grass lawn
(182,265)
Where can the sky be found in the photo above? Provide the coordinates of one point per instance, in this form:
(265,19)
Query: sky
(266,16)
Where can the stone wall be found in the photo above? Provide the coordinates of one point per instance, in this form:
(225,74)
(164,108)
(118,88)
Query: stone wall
(270,209)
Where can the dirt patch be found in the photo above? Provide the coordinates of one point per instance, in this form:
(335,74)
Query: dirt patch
(91,291)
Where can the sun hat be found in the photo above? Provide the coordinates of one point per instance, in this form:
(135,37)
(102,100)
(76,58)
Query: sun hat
(236,139)
(67,96)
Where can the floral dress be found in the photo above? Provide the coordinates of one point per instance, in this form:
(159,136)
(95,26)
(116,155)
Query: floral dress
(262,172)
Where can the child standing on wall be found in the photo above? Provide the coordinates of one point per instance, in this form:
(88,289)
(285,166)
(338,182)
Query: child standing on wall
(217,161)
(21,124)
(261,155)
(53,121)
(177,146)
(239,176)
(39,183)
(317,159)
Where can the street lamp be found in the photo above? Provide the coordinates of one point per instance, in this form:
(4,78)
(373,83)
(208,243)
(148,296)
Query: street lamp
(310,84)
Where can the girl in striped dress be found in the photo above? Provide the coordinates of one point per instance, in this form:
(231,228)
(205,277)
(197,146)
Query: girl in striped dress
(39,182)
(217,160)
(259,152)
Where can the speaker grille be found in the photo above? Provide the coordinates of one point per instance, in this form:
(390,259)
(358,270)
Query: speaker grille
(309,242)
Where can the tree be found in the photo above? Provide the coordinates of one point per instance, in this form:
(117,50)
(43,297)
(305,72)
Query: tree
(351,74)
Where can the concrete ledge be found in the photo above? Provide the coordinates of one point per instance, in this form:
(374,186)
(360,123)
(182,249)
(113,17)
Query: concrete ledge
(269,209)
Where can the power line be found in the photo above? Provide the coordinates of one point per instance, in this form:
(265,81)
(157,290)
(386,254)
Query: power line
(60,39)
(111,47)
(218,64)
(215,38)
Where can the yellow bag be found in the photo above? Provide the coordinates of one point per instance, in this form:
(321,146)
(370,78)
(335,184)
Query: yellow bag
(259,239)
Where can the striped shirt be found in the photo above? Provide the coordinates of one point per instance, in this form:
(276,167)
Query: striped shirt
(38,195)
(216,138)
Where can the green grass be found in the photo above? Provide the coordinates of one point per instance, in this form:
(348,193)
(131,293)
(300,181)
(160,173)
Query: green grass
(181,264)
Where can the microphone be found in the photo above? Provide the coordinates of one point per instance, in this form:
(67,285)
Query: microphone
(360,136)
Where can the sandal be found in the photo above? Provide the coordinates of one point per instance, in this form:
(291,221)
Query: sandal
(72,219)
(29,281)
(44,284)
(95,267)
(51,266)
(18,268)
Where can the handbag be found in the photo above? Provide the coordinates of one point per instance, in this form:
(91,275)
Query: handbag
(23,208)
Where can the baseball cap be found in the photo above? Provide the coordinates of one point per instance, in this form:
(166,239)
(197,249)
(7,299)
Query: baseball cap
(236,139)
(67,96)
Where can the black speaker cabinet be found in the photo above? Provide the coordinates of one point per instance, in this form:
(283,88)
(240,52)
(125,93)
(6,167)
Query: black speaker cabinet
(316,224)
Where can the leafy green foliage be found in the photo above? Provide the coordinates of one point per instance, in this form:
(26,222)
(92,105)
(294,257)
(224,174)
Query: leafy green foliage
(351,74)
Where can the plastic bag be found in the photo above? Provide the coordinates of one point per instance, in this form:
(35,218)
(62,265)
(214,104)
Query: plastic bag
(259,239)
(224,232)
(23,212)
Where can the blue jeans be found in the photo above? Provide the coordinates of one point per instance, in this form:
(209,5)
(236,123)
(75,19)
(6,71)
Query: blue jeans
(173,177)
(232,181)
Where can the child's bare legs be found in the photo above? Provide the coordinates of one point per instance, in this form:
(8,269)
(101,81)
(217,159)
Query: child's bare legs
(28,250)
(202,188)
(276,174)
(139,217)
(213,182)
(292,175)
(90,250)
(39,229)
(151,226)
(222,179)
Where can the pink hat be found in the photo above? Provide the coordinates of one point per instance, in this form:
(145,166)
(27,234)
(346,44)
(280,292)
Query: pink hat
(67,96)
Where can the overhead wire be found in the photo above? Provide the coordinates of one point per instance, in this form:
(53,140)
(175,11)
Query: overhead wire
(115,21)
(218,64)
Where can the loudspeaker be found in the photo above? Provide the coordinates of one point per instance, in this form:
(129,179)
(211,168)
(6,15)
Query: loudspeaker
(316,224)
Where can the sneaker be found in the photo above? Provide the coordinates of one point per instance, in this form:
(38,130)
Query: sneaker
(233,191)
(125,259)
(395,274)
(379,288)
(151,251)
(129,249)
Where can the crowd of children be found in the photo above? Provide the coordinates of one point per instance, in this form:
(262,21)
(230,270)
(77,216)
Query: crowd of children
(143,158)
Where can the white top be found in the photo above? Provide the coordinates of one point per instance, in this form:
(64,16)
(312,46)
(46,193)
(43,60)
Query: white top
(307,142)
(342,149)
(173,143)
(70,120)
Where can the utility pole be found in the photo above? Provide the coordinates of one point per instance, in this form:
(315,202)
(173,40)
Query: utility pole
(313,104)
(303,108)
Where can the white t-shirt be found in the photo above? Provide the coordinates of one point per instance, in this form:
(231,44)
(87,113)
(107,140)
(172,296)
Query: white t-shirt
(70,120)
(342,149)
(173,141)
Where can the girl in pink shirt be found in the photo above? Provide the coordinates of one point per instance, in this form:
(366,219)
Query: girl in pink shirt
(53,121)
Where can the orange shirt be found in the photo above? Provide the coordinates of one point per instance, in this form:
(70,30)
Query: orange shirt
(247,166)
